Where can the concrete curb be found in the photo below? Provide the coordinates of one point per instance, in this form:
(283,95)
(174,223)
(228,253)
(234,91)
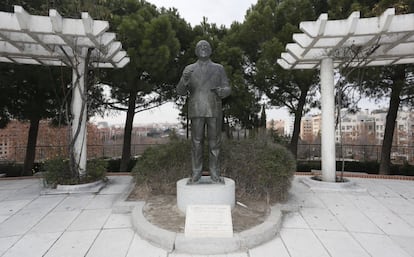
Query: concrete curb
(158,236)
(348,186)
(208,245)
(263,232)
(90,188)
(240,242)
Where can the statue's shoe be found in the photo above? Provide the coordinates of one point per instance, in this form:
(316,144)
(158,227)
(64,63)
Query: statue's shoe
(217,179)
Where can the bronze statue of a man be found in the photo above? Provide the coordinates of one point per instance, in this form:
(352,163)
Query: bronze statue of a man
(207,83)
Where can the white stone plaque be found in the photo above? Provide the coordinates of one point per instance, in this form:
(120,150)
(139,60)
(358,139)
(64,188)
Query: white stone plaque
(208,221)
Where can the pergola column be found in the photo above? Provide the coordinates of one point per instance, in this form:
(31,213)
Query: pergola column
(328,120)
(79,110)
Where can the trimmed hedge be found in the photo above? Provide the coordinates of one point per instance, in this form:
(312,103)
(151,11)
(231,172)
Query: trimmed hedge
(370,167)
(114,164)
(11,169)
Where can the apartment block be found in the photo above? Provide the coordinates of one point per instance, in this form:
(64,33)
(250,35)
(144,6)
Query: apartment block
(362,128)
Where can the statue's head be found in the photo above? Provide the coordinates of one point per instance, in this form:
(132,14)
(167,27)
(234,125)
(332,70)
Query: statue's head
(203,49)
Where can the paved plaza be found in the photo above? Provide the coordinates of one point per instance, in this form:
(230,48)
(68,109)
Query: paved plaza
(378,222)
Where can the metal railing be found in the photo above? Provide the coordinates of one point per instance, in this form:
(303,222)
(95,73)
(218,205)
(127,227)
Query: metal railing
(17,153)
(357,152)
(305,152)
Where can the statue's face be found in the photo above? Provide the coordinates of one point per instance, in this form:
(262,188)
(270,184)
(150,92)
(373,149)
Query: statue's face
(203,49)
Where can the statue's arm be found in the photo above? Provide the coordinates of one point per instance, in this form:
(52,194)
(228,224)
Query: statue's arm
(226,88)
(182,86)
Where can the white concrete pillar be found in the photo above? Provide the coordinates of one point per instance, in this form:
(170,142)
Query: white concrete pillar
(79,115)
(328,121)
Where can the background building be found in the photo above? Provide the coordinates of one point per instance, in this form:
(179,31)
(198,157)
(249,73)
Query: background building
(365,130)
(279,126)
(103,140)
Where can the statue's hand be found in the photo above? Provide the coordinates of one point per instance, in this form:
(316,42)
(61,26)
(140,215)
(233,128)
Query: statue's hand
(187,74)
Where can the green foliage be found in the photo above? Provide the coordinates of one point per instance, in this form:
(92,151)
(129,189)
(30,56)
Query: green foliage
(307,166)
(370,167)
(150,37)
(405,169)
(260,168)
(11,169)
(161,166)
(95,169)
(268,27)
(114,164)
(277,138)
(57,172)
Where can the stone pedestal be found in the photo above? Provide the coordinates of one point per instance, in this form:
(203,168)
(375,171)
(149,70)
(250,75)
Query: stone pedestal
(205,193)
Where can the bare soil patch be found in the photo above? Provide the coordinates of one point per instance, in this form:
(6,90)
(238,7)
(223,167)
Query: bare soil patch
(162,211)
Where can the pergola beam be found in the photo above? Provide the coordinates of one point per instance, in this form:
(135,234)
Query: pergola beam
(21,32)
(322,37)
(5,36)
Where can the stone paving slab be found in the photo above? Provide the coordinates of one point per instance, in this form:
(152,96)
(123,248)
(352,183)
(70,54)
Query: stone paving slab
(20,223)
(55,222)
(7,242)
(378,222)
(380,245)
(318,218)
(140,247)
(302,243)
(73,244)
(74,202)
(405,243)
(34,244)
(8,208)
(275,247)
(112,243)
(356,221)
(118,220)
(340,243)
(90,219)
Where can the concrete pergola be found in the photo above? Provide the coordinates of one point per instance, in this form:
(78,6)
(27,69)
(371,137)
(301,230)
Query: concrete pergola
(56,41)
(353,42)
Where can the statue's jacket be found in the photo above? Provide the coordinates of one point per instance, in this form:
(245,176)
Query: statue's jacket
(204,79)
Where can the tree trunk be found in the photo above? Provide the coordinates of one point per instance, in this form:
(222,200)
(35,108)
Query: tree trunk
(296,125)
(385,163)
(31,147)
(126,146)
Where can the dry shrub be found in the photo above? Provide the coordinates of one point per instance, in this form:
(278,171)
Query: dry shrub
(261,169)
(160,166)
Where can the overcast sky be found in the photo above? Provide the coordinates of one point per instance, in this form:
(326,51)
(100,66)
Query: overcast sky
(221,12)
